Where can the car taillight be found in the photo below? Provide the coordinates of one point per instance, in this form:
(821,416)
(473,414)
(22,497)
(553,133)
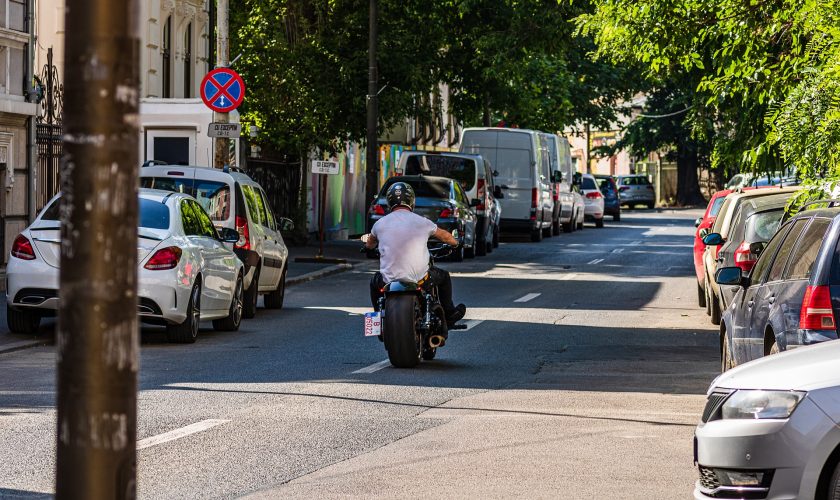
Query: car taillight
(744,258)
(165,258)
(816,313)
(244,242)
(377,209)
(481,192)
(448,212)
(534,199)
(22,248)
(594,195)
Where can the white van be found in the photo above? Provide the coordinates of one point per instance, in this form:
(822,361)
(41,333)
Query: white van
(521,158)
(566,204)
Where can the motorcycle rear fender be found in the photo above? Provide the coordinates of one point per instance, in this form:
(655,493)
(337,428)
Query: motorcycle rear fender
(396,287)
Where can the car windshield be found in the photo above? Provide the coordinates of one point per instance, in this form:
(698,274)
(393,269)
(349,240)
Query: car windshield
(213,196)
(423,188)
(453,167)
(716,206)
(152,214)
(762,226)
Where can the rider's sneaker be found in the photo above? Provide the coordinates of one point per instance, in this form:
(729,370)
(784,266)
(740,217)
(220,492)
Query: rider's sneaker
(456,315)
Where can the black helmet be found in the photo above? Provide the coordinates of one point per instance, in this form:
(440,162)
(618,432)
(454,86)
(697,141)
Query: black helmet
(400,194)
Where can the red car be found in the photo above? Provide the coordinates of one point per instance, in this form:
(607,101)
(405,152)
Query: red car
(703,224)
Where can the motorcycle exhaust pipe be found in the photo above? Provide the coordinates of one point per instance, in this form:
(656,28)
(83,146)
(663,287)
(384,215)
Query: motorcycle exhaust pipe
(437,341)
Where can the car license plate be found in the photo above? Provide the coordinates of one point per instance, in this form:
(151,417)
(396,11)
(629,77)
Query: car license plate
(373,324)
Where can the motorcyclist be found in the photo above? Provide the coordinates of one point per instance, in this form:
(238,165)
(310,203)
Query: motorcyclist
(402,237)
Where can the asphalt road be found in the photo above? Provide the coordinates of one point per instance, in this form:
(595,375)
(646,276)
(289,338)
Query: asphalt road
(582,376)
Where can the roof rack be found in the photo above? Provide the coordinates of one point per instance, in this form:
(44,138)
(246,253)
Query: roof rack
(832,202)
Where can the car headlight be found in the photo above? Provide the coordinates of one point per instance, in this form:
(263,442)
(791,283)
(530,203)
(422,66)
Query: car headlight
(761,404)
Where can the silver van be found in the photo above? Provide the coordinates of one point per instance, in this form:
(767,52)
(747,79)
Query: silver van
(567,206)
(521,157)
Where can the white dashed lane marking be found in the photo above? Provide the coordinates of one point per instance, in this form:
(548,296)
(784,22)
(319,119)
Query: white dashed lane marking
(526,298)
(374,367)
(596,261)
(179,433)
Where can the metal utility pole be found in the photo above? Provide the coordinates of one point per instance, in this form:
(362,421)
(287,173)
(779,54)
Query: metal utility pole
(372,158)
(222,148)
(97,336)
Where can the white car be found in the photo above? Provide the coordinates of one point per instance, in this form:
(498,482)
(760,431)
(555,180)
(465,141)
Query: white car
(771,428)
(593,200)
(186,273)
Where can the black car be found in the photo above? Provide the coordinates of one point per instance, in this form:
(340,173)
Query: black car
(612,199)
(439,199)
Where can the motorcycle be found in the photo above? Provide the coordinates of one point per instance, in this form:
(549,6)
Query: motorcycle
(411,320)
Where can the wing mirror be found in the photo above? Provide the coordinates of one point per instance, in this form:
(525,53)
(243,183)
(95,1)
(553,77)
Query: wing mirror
(286,224)
(713,239)
(757,247)
(731,276)
(698,221)
(497,193)
(228,235)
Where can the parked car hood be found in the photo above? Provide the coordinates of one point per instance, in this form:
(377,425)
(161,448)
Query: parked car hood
(804,368)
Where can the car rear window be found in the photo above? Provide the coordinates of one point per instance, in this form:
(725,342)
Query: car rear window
(461,169)
(762,226)
(803,258)
(152,214)
(606,184)
(588,183)
(423,188)
(213,196)
(637,180)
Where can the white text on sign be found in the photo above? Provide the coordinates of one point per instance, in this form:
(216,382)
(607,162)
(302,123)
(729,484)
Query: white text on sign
(325,167)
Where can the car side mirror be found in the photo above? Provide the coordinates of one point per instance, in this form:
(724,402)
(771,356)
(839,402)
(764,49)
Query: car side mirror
(497,193)
(713,239)
(731,276)
(757,247)
(286,224)
(228,235)
(495,173)
(698,221)
(475,202)
(557,176)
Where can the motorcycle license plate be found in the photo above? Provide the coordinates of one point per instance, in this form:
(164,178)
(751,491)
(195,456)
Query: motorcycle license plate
(373,324)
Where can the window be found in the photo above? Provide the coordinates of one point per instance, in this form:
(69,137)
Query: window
(763,225)
(16,12)
(153,214)
(214,197)
(258,199)
(205,225)
(166,59)
(767,255)
(251,201)
(189,219)
(803,258)
(783,255)
(268,210)
(460,169)
(588,183)
(716,206)
(188,61)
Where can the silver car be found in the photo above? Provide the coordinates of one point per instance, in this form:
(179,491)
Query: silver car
(636,190)
(771,428)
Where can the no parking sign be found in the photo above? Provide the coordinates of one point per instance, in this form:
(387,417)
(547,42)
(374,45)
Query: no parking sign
(222,90)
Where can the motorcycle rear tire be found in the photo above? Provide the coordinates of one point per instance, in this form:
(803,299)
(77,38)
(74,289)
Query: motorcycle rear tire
(401,338)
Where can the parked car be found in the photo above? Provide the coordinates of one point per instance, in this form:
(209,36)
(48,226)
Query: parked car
(612,198)
(755,221)
(771,429)
(704,225)
(791,296)
(441,200)
(636,190)
(578,211)
(722,226)
(593,199)
(236,201)
(560,165)
(521,158)
(476,176)
(186,273)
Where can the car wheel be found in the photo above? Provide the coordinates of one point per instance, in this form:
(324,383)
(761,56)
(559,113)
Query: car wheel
(568,227)
(536,235)
(482,246)
(715,308)
(470,252)
(708,301)
(599,223)
(617,217)
(774,349)
(187,332)
(701,295)
(496,237)
(234,318)
(274,300)
(580,225)
(249,302)
(555,227)
(834,484)
(22,321)
(726,362)
(458,254)
(649,205)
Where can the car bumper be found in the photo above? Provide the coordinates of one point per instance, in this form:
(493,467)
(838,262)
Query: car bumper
(593,210)
(31,285)
(517,225)
(163,296)
(639,198)
(792,451)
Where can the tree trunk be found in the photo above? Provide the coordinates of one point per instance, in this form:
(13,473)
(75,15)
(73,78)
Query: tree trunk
(688,183)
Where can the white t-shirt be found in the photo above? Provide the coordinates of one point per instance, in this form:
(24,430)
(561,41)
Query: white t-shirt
(403,237)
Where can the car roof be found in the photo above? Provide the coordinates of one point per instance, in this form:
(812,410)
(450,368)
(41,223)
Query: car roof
(469,156)
(830,213)
(769,201)
(197,172)
(160,195)
(632,175)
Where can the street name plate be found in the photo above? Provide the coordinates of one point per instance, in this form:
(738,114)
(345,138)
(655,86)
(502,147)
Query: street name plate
(229,130)
(325,167)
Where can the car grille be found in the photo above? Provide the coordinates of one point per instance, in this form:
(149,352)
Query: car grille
(713,404)
(708,478)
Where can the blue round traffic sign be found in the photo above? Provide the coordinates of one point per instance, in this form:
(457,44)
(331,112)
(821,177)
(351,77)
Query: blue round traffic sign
(222,90)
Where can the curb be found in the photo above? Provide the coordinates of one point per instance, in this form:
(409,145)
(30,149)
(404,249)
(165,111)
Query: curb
(321,273)
(20,345)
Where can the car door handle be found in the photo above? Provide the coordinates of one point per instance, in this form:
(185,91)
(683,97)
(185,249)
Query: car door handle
(750,303)
(772,300)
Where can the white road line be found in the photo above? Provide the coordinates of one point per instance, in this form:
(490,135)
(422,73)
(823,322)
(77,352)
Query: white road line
(596,261)
(471,323)
(374,367)
(637,242)
(526,298)
(569,276)
(618,250)
(179,433)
